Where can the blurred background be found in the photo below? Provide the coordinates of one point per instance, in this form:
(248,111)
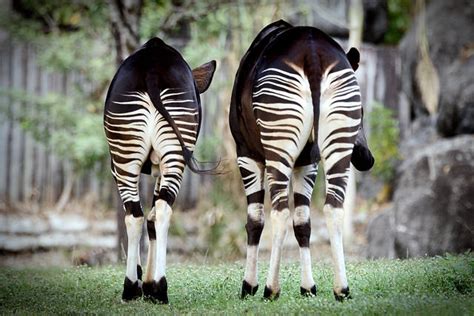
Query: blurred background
(58,202)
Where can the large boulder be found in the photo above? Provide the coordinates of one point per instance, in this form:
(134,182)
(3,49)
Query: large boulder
(450,45)
(434,200)
(381,235)
(433,205)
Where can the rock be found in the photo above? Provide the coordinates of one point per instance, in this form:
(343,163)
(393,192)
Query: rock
(68,222)
(451,51)
(381,236)
(18,224)
(332,16)
(27,232)
(433,201)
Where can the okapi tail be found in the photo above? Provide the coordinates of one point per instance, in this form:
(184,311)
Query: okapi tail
(190,160)
(362,158)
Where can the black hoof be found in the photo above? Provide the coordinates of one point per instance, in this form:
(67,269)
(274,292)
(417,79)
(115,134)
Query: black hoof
(157,292)
(311,292)
(247,289)
(131,290)
(268,294)
(344,295)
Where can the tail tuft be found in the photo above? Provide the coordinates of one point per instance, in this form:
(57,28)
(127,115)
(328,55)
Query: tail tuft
(193,164)
(362,158)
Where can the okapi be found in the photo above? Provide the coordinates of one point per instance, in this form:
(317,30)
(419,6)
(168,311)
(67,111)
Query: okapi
(152,119)
(296,102)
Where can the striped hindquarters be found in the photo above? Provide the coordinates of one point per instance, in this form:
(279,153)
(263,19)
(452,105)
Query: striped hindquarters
(339,120)
(133,135)
(283,107)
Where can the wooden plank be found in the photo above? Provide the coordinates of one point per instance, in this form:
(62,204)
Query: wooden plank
(4,123)
(52,88)
(37,149)
(58,173)
(15,140)
(23,71)
(28,179)
(43,150)
(9,134)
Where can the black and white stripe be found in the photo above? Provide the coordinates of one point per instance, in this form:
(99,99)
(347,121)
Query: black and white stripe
(339,119)
(152,118)
(295,103)
(283,109)
(132,135)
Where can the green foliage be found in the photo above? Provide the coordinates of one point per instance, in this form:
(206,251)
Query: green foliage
(56,121)
(399,19)
(69,38)
(153,14)
(427,286)
(383,142)
(206,148)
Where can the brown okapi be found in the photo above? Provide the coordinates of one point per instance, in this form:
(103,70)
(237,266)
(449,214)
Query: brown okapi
(152,119)
(296,102)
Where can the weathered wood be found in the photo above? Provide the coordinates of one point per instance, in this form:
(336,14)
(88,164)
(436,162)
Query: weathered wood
(15,140)
(43,156)
(29,151)
(4,122)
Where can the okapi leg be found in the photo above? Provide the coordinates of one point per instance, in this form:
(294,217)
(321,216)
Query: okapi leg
(278,181)
(128,188)
(336,180)
(252,177)
(157,288)
(134,223)
(303,184)
(172,174)
(150,225)
(340,118)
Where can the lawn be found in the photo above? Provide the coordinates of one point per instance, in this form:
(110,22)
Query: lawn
(428,286)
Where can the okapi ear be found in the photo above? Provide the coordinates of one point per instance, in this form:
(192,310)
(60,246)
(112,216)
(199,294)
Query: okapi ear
(203,75)
(353,56)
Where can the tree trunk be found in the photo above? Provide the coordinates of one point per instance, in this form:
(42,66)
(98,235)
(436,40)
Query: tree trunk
(124,24)
(67,189)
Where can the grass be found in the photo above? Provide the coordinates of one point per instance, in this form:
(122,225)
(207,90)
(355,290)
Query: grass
(428,286)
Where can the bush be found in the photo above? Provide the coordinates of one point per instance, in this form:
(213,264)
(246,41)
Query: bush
(383,142)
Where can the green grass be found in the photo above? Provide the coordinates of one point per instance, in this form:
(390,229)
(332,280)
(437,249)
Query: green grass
(429,286)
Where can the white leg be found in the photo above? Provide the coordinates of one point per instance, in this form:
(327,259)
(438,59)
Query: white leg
(303,183)
(279,221)
(256,216)
(151,260)
(252,172)
(155,286)
(307,281)
(162,222)
(134,232)
(301,223)
(132,287)
(335,221)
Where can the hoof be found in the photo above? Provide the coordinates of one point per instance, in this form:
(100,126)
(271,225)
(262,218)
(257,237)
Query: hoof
(309,293)
(269,294)
(131,290)
(344,295)
(157,292)
(247,289)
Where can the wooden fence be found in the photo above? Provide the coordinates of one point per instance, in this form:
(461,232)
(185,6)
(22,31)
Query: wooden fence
(30,171)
